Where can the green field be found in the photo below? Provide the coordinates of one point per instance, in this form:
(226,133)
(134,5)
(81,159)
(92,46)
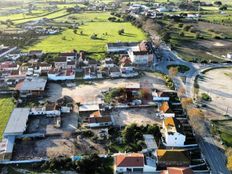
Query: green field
(224,129)
(68,40)
(6,107)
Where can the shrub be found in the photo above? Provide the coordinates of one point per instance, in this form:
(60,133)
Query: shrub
(206,97)
(93,36)
(121,31)
(180,25)
(87,133)
(181,34)
(187,27)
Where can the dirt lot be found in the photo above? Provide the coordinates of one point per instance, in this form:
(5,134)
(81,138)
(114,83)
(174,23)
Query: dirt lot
(217,83)
(55,146)
(38,124)
(140,116)
(46,147)
(90,93)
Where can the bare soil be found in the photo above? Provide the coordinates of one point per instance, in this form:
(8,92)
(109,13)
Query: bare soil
(217,83)
(140,116)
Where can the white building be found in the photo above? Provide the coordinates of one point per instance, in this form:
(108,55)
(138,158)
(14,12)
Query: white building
(97,120)
(172,133)
(120,47)
(56,75)
(229,55)
(44,111)
(141,54)
(132,162)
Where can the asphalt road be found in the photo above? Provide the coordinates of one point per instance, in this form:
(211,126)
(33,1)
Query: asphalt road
(213,156)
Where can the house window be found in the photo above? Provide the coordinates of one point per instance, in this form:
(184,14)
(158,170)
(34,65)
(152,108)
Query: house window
(138,170)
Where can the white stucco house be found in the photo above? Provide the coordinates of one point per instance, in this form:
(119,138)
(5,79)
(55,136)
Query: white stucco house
(56,74)
(132,163)
(141,54)
(172,132)
(229,55)
(96,119)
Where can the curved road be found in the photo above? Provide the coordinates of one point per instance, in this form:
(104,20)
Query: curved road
(212,154)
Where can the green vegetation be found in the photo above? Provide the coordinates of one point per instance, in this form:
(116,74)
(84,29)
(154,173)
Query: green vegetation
(131,139)
(224,129)
(6,107)
(206,97)
(106,32)
(91,164)
(109,96)
(180,68)
(228,75)
(169,82)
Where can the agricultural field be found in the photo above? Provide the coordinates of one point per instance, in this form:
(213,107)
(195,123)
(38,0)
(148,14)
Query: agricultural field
(81,40)
(6,107)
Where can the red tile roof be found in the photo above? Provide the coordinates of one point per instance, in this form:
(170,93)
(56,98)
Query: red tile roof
(177,170)
(129,160)
(99,119)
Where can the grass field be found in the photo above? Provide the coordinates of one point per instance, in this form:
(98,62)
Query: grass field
(68,40)
(6,107)
(224,129)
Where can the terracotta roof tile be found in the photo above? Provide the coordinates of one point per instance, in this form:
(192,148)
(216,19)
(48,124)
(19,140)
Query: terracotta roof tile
(130,160)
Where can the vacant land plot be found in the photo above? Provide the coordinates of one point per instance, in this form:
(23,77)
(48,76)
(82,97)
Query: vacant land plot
(41,148)
(105,31)
(90,93)
(55,146)
(140,116)
(223,128)
(201,41)
(217,83)
(6,107)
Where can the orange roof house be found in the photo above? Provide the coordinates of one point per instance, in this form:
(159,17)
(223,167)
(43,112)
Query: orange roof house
(173,158)
(165,108)
(129,160)
(177,170)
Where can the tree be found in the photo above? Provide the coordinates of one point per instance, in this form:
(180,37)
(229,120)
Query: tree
(229,158)
(112,19)
(121,31)
(173,71)
(186,102)
(75,31)
(181,34)
(89,164)
(218,3)
(223,7)
(206,97)
(93,36)
(145,93)
(128,133)
(166,36)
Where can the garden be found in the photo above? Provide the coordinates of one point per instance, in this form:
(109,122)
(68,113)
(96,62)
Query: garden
(6,107)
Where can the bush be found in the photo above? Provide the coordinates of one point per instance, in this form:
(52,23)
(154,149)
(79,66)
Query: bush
(93,36)
(206,97)
(112,19)
(180,25)
(187,27)
(181,34)
(121,31)
(87,133)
